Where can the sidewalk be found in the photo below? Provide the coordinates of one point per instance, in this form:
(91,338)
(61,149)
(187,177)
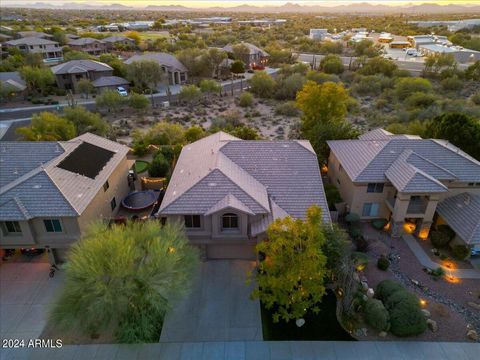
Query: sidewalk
(261,350)
(425,260)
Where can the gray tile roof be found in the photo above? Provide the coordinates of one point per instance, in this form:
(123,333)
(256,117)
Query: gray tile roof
(110,81)
(31,41)
(37,34)
(13,79)
(257,173)
(31,184)
(80,66)
(462,214)
(229,202)
(84,41)
(117,38)
(368,160)
(163,59)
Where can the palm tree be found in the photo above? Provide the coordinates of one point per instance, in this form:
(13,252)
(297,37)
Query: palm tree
(123,279)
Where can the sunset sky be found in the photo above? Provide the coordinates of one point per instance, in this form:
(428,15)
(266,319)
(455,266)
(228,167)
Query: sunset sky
(224,3)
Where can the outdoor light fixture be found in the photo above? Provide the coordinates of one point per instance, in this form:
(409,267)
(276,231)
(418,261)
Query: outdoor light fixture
(423,302)
(423,234)
(409,228)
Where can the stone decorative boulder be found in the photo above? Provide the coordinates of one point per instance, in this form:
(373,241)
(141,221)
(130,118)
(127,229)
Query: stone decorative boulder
(472,335)
(426,313)
(432,325)
(370,293)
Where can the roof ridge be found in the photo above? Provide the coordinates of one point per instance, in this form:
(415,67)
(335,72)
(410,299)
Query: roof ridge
(22,207)
(374,157)
(459,152)
(433,163)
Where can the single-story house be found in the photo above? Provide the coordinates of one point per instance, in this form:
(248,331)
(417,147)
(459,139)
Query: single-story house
(227,191)
(13,83)
(177,72)
(110,82)
(119,41)
(253,57)
(401,178)
(89,45)
(50,192)
(70,73)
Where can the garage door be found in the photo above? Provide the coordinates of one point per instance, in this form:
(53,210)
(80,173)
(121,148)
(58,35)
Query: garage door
(245,252)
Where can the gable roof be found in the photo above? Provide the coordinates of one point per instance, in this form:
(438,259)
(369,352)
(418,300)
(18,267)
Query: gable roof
(84,41)
(277,178)
(462,213)
(30,33)
(109,81)
(31,41)
(13,80)
(366,160)
(80,66)
(116,38)
(162,59)
(33,185)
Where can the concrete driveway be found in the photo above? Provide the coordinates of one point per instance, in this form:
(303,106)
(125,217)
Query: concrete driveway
(218,308)
(26,292)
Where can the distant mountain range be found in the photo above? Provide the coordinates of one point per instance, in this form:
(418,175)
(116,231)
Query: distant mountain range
(357,8)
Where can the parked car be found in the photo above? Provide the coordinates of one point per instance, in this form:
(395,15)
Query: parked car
(122,91)
(32,251)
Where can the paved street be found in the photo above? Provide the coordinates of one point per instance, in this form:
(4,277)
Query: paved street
(218,308)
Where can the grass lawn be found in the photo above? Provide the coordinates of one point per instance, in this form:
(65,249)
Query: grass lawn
(153,35)
(141,166)
(321,326)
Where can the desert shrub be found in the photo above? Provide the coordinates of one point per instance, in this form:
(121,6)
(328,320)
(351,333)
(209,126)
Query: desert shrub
(406,319)
(287,109)
(438,272)
(361,243)
(379,224)
(447,230)
(354,232)
(333,196)
(475,98)
(359,259)
(460,252)
(386,288)
(400,296)
(376,315)
(383,263)
(246,99)
(451,83)
(439,239)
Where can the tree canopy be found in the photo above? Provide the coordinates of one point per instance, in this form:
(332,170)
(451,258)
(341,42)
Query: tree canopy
(47,126)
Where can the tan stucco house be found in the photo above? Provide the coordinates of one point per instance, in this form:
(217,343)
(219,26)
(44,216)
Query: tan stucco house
(226,191)
(51,191)
(68,74)
(404,179)
(51,51)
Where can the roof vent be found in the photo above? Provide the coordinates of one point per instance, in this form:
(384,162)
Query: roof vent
(15,172)
(212,184)
(38,186)
(57,148)
(467,200)
(285,145)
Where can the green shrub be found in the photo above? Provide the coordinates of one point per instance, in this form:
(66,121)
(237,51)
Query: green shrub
(246,99)
(355,232)
(287,109)
(446,230)
(159,166)
(460,252)
(400,296)
(376,315)
(333,195)
(386,288)
(383,263)
(359,259)
(439,239)
(406,319)
(438,272)
(361,243)
(379,224)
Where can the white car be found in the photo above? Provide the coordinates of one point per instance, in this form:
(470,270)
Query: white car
(122,91)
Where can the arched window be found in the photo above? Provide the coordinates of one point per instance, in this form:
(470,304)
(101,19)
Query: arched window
(230,221)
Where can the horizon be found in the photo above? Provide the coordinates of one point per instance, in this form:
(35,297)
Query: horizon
(203,4)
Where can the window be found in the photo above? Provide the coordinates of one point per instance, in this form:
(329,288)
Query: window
(370,209)
(113,204)
(106,186)
(52,225)
(230,221)
(12,228)
(192,221)
(340,167)
(375,188)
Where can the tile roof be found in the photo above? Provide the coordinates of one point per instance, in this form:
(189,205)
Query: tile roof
(13,79)
(117,38)
(279,177)
(229,202)
(164,59)
(110,81)
(31,41)
(368,160)
(84,41)
(462,214)
(32,185)
(80,66)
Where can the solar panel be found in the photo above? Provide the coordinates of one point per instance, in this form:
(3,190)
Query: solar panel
(87,160)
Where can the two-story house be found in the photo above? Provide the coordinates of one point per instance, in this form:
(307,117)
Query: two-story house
(226,191)
(89,45)
(404,179)
(68,74)
(253,56)
(51,51)
(118,41)
(51,191)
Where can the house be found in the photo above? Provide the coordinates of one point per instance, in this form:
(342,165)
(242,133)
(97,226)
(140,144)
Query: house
(253,57)
(37,34)
(401,178)
(460,54)
(70,73)
(110,82)
(13,83)
(226,191)
(319,34)
(177,72)
(89,45)
(51,191)
(51,51)
(420,40)
(114,42)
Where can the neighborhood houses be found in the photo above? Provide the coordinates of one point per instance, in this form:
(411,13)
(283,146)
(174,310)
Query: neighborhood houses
(218,182)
